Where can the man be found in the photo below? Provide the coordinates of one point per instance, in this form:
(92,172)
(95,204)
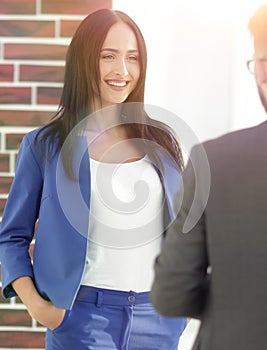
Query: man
(213,263)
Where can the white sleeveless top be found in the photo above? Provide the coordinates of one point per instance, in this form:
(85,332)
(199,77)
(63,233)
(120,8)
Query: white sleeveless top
(126,225)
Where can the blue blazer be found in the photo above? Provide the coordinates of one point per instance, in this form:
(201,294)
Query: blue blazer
(42,191)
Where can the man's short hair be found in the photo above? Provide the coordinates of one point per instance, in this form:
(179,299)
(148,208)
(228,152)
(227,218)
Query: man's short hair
(258,24)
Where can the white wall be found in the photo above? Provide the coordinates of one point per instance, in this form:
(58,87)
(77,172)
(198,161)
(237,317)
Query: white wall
(197,52)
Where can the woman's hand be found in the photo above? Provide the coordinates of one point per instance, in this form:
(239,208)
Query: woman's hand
(46,313)
(40,309)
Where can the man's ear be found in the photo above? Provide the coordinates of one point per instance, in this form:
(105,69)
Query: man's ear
(261,73)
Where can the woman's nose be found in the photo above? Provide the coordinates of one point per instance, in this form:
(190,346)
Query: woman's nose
(121,67)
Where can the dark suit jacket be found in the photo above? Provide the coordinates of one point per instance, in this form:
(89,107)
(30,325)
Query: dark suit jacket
(230,239)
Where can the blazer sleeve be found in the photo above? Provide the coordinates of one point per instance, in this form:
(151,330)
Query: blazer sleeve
(19,218)
(180,283)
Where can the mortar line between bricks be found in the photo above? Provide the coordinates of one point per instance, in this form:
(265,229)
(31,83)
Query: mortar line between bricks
(44,17)
(12,162)
(15,306)
(28,107)
(31,84)
(3,142)
(38,41)
(38,7)
(16,73)
(57,63)
(21,349)
(34,89)
(22,329)
(57,28)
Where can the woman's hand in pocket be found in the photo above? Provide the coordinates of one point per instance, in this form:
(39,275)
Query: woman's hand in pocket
(47,314)
(40,309)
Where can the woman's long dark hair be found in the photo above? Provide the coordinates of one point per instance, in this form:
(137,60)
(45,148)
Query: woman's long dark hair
(81,81)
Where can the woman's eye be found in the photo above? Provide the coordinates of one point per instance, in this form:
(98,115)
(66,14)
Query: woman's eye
(132,58)
(108,57)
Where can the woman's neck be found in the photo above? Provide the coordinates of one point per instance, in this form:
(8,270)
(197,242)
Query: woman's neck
(104,119)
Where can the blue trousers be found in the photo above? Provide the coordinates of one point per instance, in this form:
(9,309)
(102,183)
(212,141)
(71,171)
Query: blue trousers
(105,319)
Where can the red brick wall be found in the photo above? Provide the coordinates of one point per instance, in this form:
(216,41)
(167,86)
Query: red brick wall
(34,35)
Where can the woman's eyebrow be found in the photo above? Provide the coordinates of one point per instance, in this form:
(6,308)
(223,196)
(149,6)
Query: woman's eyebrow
(117,51)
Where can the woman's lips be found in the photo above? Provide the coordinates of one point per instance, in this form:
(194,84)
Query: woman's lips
(116,83)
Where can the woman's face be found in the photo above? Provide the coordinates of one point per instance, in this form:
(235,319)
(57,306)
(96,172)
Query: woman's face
(119,65)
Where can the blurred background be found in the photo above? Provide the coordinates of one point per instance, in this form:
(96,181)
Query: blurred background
(197,61)
(197,53)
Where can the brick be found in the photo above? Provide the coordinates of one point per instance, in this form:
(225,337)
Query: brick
(2,299)
(5,183)
(42,73)
(6,72)
(25,340)
(15,318)
(4,162)
(27,28)
(17,7)
(13,141)
(17,300)
(68,28)
(17,95)
(2,204)
(16,158)
(25,118)
(47,95)
(74,7)
(35,51)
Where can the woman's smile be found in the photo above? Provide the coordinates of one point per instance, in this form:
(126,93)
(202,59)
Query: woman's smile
(117,84)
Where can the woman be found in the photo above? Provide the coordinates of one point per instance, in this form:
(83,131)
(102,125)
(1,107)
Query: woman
(100,217)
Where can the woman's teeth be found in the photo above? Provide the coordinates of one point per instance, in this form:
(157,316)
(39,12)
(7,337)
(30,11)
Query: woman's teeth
(117,83)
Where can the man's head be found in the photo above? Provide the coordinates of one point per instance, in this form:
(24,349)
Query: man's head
(258,29)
